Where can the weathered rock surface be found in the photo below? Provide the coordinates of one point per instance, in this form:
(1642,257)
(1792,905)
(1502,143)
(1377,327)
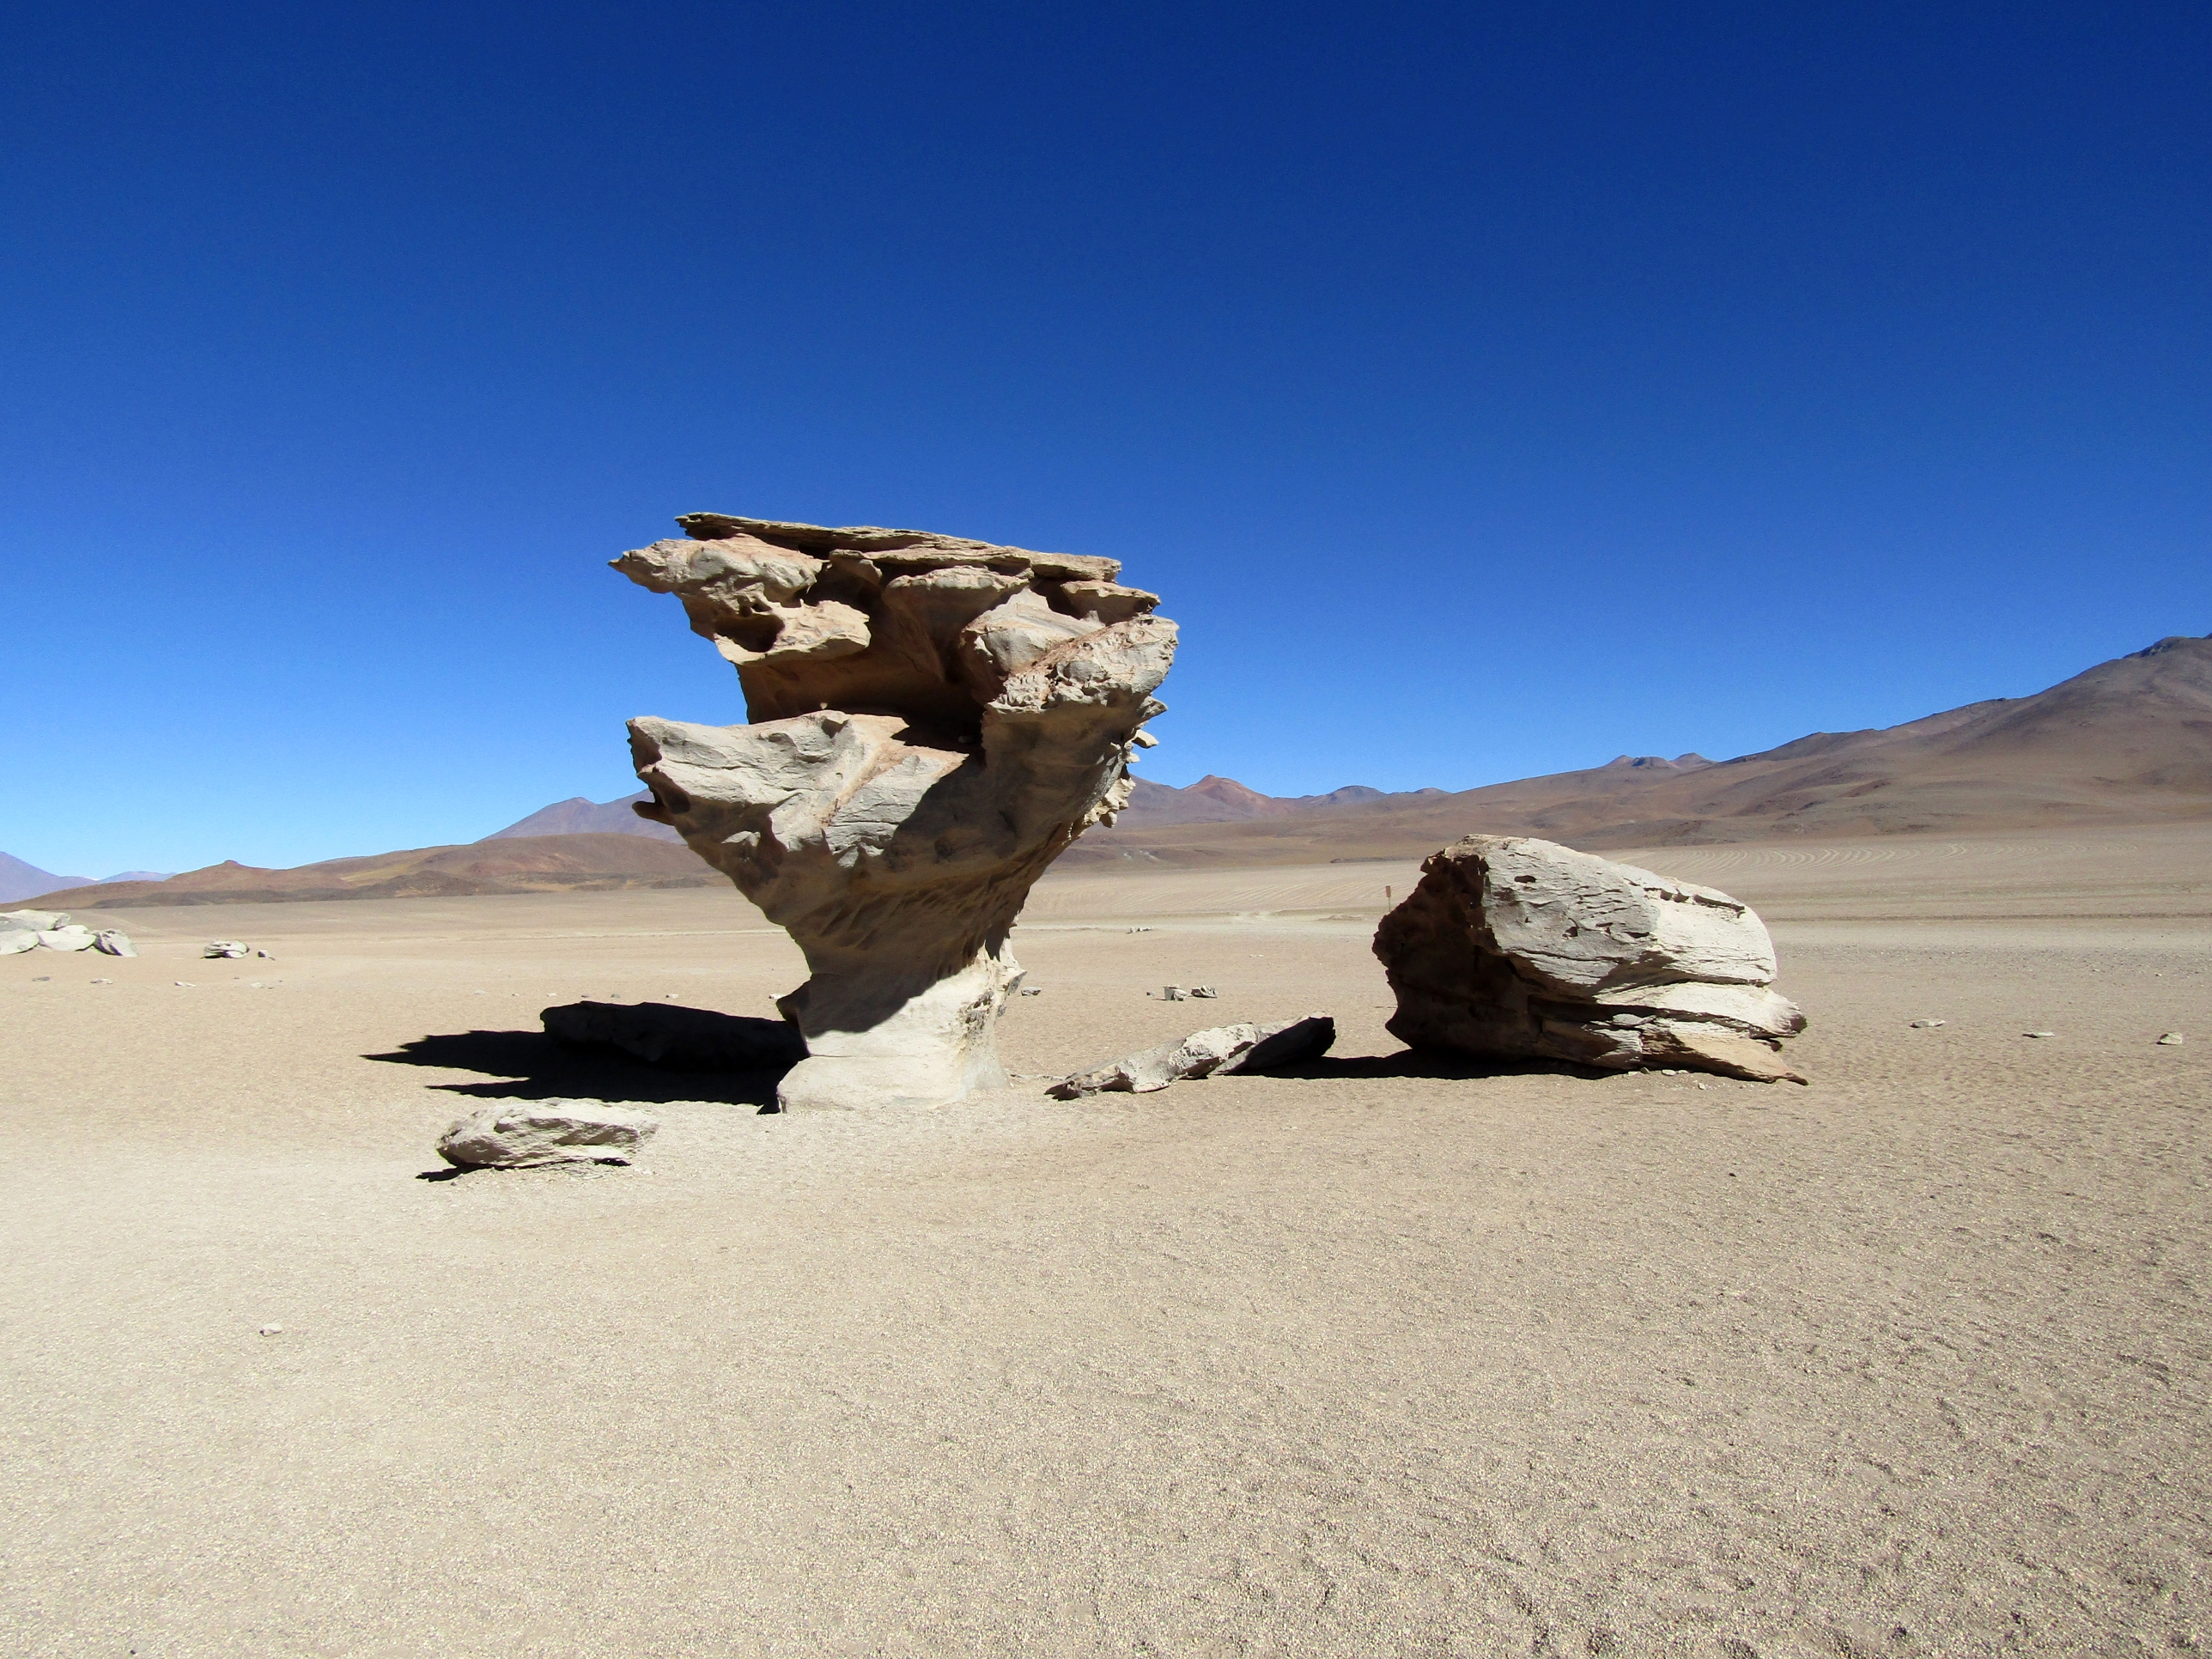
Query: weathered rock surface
(225,949)
(1214,1053)
(110,941)
(933,719)
(33,922)
(527,1134)
(72,936)
(1513,947)
(683,1039)
(14,941)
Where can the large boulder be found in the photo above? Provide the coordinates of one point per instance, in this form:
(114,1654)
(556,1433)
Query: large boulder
(933,719)
(530,1133)
(1218,1052)
(74,936)
(1512,947)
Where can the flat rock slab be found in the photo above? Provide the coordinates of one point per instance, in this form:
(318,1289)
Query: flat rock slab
(682,1039)
(1213,1053)
(534,1133)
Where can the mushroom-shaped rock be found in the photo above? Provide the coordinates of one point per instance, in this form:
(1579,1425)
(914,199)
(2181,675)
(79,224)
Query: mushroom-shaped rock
(1515,947)
(932,720)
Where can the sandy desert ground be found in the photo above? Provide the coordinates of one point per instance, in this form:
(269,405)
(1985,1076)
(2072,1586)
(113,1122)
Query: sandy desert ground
(1383,1357)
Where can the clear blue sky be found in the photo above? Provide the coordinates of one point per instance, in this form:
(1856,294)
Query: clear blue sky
(1489,390)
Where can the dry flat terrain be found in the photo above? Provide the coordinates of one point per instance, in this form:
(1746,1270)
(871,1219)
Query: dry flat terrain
(1379,1359)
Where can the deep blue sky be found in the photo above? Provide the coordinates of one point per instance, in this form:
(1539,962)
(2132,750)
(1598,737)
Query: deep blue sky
(1489,390)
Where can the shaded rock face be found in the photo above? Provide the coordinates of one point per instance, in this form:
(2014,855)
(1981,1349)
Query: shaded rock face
(682,1039)
(933,720)
(1513,947)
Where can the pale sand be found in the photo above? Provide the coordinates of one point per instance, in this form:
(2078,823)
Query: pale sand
(1376,1360)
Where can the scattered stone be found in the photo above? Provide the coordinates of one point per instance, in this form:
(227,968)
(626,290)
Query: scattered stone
(1515,947)
(103,981)
(1215,1053)
(1171,994)
(1204,991)
(1032,990)
(682,1039)
(266,956)
(2039,1034)
(224,950)
(2171,1040)
(1929,1025)
(933,720)
(73,937)
(272,1330)
(532,1133)
(187,984)
(109,942)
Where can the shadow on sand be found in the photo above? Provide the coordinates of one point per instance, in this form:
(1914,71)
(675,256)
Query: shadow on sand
(1413,1062)
(531,1065)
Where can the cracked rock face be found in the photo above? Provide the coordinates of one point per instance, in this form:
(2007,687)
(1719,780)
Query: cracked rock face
(1519,948)
(933,720)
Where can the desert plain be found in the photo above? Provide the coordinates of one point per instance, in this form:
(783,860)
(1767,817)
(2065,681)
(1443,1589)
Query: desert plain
(1378,1357)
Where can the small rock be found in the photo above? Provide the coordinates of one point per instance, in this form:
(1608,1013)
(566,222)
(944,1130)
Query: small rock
(2171,1040)
(224,949)
(272,1330)
(103,981)
(266,956)
(1204,991)
(2039,1034)
(1215,1053)
(1171,994)
(1032,990)
(531,1133)
(187,984)
(1929,1025)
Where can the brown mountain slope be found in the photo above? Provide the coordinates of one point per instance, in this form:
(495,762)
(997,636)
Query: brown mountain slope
(533,865)
(2129,741)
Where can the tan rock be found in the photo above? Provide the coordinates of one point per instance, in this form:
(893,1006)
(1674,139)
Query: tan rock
(1515,947)
(932,720)
(529,1134)
(1218,1052)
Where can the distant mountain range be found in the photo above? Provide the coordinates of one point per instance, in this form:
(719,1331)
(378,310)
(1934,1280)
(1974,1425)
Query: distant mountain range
(19,881)
(2129,741)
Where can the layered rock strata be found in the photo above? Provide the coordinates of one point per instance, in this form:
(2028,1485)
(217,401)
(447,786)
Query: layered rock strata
(1511,947)
(933,720)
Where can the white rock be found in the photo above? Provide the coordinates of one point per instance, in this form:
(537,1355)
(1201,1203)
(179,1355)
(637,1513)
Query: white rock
(75,936)
(933,719)
(1515,947)
(525,1135)
(2170,1039)
(223,949)
(110,942)
(1929,1025)
(1214,1053)
(36,921)
(15,941)
(2039,1034)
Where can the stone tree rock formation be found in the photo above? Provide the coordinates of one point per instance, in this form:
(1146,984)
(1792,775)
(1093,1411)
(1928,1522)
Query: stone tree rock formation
(932,721)
(1513,947)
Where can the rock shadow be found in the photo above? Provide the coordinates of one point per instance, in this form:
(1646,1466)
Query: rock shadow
(1418,1063)
(532,1065)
